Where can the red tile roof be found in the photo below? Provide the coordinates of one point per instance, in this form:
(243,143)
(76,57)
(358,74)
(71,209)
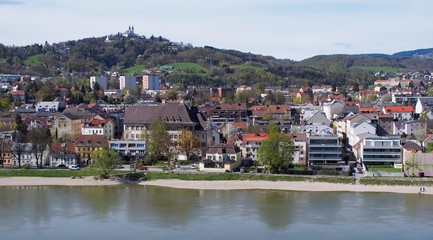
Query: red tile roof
(58,148)
(254,137)
(394,109)
(368,109)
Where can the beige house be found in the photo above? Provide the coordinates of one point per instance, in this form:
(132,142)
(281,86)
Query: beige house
(220,158)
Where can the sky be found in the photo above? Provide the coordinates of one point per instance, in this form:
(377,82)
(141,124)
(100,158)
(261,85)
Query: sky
(285,29)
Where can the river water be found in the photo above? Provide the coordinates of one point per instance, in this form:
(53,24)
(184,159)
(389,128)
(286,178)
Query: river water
(149,212)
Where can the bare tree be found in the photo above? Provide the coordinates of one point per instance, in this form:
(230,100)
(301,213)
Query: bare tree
(188,142)
(4,147)
(17,151)
(40,140)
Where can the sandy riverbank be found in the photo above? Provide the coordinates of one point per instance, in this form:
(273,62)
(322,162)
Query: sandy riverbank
(282,185)
(55,181)
(216,185)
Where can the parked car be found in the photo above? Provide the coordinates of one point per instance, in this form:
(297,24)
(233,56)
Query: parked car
(143,168)
(74,167)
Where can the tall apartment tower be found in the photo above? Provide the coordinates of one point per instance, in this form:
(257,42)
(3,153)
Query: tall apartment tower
(150,82)
(102,81)
(127,82)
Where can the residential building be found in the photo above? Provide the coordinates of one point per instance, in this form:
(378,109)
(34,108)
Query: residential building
(102,82)
(400,112)
(414,127)
(386,125)
(378,150)
(227,112)
(333,109)
(357,129)
(63,154)
(250,144)
(86,144)
(300,148)
(221,157)
(324,149)
(95,126)
(129,82)
(131,150)
(151,82)
(217,94)
(314,116)
(423,104)
(27,156)
(178,116)
(54,106)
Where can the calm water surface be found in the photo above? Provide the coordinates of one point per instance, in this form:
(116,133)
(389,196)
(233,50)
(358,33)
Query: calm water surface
(138,212)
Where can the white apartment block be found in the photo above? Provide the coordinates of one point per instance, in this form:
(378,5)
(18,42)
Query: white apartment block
(151,82)
(127,82)
(102,81)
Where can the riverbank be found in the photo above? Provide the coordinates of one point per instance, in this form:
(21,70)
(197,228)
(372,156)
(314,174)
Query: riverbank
(55,181)
(284,185)
(218,185)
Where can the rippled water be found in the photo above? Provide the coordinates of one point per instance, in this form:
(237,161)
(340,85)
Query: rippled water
(148,212)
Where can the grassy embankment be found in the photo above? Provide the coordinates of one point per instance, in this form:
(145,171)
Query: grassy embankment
(86,172)
(396,181)
(34,60)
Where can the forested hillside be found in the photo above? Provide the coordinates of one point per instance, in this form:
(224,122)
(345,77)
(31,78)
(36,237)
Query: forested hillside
(131,54)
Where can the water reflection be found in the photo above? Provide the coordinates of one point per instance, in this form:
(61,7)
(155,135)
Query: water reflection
(166,213)
(276,208)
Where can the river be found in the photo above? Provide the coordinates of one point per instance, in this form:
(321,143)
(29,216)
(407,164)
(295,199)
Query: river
(149,212)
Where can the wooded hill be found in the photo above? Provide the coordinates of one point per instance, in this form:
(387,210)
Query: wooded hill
(206,66)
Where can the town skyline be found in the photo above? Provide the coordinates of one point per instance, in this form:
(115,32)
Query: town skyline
(284,29)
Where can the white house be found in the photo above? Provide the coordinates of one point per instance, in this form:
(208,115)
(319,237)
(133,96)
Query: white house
(27,157)
(54,106)
(332,109)
(315,128)
(356,129)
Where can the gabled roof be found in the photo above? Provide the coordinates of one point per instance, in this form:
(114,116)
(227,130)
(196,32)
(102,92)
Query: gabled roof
(90,140)
(222,148)
(411,146)
(59,148)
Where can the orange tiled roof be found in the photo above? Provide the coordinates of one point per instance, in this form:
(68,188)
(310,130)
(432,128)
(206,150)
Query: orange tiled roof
(240,125)
(254,137)
(398,109)
(368,109)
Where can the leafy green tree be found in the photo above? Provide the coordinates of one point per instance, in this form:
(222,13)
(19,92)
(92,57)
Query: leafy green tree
(171,94)
(279,98)
(276,152)
(429,147)
(106,161)
(158,141)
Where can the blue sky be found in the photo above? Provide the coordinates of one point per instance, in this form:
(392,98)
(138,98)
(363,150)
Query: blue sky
(291,29)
